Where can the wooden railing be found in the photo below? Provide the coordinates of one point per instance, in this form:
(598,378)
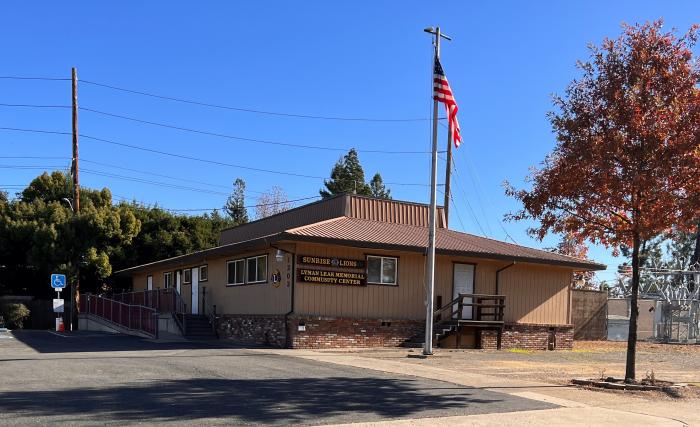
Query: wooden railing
(485,308)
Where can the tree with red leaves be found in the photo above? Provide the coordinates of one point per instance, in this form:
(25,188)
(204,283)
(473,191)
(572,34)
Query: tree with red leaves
(574,246)
(626,166)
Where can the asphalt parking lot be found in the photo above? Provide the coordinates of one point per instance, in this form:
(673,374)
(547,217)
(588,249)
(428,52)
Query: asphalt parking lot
(90,378)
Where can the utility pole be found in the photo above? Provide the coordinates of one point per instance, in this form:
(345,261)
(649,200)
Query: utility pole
(76,195)
(430,273)
(448,176)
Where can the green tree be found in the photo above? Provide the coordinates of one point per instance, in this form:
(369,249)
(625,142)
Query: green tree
(40,235)
(348,177)
(235,204)
(378,188)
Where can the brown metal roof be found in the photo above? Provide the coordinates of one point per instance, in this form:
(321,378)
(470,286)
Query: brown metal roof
(371,223)
(358,232)
(353,206)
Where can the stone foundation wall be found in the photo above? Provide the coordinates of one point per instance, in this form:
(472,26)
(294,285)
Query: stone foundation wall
(530,337)
(253,329)
(337,332)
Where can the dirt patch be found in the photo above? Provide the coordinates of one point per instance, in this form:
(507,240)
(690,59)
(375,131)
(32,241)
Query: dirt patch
(588,359)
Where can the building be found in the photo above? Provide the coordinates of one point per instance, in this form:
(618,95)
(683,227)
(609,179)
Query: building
(349,271)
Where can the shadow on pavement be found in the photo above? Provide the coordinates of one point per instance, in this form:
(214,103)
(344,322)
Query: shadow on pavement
(86,341)
(285,401)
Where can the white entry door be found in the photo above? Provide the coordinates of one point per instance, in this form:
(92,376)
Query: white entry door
(195,291)
(149,283)
(463,284)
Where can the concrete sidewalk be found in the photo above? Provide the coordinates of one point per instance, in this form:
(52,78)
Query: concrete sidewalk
(578,407)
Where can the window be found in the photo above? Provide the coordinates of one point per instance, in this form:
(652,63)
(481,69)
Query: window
(381,270)
(187,276)
(257,269)
(203,273)
(236,272)
(168,280)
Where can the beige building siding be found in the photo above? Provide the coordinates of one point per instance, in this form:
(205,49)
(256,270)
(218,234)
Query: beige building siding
(404,301)
(258,298)
(537,294)
(534,293)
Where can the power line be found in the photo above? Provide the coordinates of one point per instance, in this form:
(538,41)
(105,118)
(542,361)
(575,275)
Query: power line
(481,204)
(471,210)
(34,106)
(119,167)
(159,175)
(249,110)
(53,167)
(218,209)
(34,78)
(240,138)
(216,162)
(477,185)
(150,182)
(37,157)
(51,132)
(187,157)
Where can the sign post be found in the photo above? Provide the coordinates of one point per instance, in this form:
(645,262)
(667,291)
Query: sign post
(58,282)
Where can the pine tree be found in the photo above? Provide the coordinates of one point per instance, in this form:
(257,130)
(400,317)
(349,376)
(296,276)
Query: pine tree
(235,204)
(378,188)
(348,177)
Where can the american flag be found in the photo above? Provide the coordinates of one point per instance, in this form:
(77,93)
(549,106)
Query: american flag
(443,93)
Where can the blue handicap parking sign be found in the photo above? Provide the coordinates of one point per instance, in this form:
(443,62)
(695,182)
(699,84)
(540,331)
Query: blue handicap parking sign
(58,281)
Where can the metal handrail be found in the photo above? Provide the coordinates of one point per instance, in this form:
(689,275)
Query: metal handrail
(121,304)
(154,299)
(213,318)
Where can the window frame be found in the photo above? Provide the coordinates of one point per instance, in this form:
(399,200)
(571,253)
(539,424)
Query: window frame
(247,269)
(184,276)
(228,279)
(199,270)
(165,282)
(381,269)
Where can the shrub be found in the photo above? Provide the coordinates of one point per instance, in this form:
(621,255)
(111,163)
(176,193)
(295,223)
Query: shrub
(14,314)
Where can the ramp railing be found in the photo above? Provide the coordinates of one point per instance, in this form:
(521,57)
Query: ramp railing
(133,317)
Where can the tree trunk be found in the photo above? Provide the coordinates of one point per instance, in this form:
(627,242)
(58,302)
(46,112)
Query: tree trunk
(630,370)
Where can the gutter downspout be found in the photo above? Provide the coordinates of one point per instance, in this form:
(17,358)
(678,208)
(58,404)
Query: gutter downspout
(291,302)
(498,276)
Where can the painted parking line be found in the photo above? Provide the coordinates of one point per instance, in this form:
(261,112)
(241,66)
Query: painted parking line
(58,334)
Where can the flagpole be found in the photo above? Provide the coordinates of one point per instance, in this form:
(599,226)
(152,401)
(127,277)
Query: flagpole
(430,273)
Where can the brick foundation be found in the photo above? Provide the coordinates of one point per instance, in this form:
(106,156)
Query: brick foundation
(530,337)
(337,332)
(253,329)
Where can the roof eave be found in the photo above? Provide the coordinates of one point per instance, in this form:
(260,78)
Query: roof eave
(588,266)
(194,257)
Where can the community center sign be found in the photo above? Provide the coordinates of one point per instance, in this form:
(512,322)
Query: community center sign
(338,276)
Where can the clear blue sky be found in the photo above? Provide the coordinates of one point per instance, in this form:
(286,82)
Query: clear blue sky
(357,59)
